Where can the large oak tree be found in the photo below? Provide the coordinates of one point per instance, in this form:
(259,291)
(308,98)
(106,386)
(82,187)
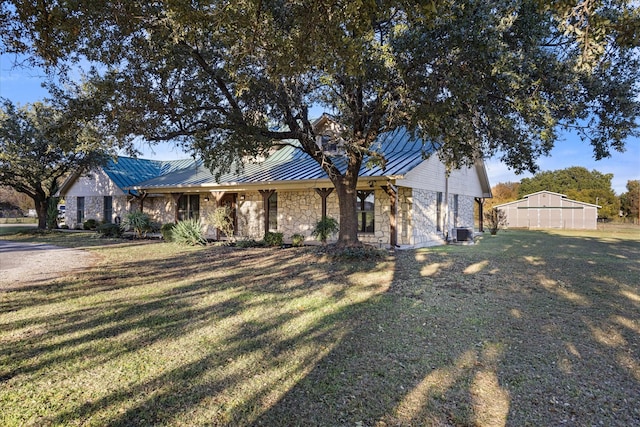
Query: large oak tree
(41,144)
(230,80)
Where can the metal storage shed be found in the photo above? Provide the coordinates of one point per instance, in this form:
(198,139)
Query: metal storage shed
(546,209)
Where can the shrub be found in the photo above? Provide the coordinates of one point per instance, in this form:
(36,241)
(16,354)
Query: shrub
(325,228)
(250,243)
(297,240)
(167,231)
(64,227)
(90,224)
(495,220)
(273,238)
(189,232)
(52,213)
(138,222)
(109,230)
(354,253)
(221,219)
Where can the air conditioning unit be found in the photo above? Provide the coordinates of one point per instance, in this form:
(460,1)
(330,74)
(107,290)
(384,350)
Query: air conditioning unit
(464,234)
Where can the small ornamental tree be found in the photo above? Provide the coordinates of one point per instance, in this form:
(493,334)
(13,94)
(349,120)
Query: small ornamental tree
(221,219)
(495,219)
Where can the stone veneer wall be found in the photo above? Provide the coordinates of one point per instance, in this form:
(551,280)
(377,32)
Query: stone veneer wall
(93,209)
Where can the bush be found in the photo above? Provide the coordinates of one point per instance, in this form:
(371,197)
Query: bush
(495,220)
(325,228)
(109,230)
(90,224)
(138,222)
(273,238)
(167,231)
(354,253)
(250,243)
(297,240)
(64,227)
(189,232)
(222,219)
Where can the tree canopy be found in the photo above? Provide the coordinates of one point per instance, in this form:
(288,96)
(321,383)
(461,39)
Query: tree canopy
(630,201)
(41,144)
(577,183)
(229,80)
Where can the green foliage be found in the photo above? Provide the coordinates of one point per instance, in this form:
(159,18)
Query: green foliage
(138,222)
(297,240)
(189,232)
(167,231)
(90,224)
(325,228)
(577,183)
(52,213)
(40,144)
(355,253)
(109,230)
(272,238)
(495,219)
(221,219)
(630,201)
(250,243)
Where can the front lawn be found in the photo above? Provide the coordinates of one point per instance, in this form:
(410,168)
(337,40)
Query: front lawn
(524,328)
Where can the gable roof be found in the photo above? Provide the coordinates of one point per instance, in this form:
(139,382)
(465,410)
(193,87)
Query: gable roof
(125,172)
(562,196)
(401,151)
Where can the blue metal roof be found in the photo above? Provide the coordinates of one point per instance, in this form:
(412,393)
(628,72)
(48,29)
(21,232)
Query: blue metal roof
(401,151)
(125,172)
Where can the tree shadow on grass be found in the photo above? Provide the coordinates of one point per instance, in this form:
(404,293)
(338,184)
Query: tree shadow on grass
(505,332)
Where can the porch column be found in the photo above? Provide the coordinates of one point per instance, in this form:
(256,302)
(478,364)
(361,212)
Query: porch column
(176,197)
(265,207)
(324,193)
(480,202)
(392,192)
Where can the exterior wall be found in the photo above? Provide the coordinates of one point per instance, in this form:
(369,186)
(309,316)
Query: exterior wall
(93,186)
(550,210)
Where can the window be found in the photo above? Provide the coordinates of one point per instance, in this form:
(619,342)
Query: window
(189,207)
(364,209)
(80,210)
(273,211)
(439,212)
(329,144)
(455,210)
(108,209)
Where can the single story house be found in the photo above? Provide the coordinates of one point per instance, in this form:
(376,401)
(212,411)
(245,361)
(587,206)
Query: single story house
(546,209)
(412,202)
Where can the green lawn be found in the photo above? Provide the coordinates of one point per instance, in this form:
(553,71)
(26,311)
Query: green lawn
(524,328)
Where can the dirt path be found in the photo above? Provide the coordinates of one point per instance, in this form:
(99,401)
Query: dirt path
(24,264)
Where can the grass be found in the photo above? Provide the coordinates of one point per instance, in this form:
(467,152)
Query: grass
(524,328)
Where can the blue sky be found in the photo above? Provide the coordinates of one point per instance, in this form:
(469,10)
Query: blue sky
(23,86)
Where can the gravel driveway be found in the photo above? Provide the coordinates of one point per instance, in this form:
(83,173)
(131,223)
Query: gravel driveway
(24,264)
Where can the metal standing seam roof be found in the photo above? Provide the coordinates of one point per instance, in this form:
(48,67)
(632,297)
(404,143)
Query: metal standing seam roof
(402,153)
(125,172)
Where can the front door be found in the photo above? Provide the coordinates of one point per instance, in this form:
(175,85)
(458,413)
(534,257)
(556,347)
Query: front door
(229,200)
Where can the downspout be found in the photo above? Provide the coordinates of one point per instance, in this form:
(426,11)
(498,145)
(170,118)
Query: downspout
(446,205)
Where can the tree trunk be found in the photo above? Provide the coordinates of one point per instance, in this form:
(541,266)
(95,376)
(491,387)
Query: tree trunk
(347,202)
